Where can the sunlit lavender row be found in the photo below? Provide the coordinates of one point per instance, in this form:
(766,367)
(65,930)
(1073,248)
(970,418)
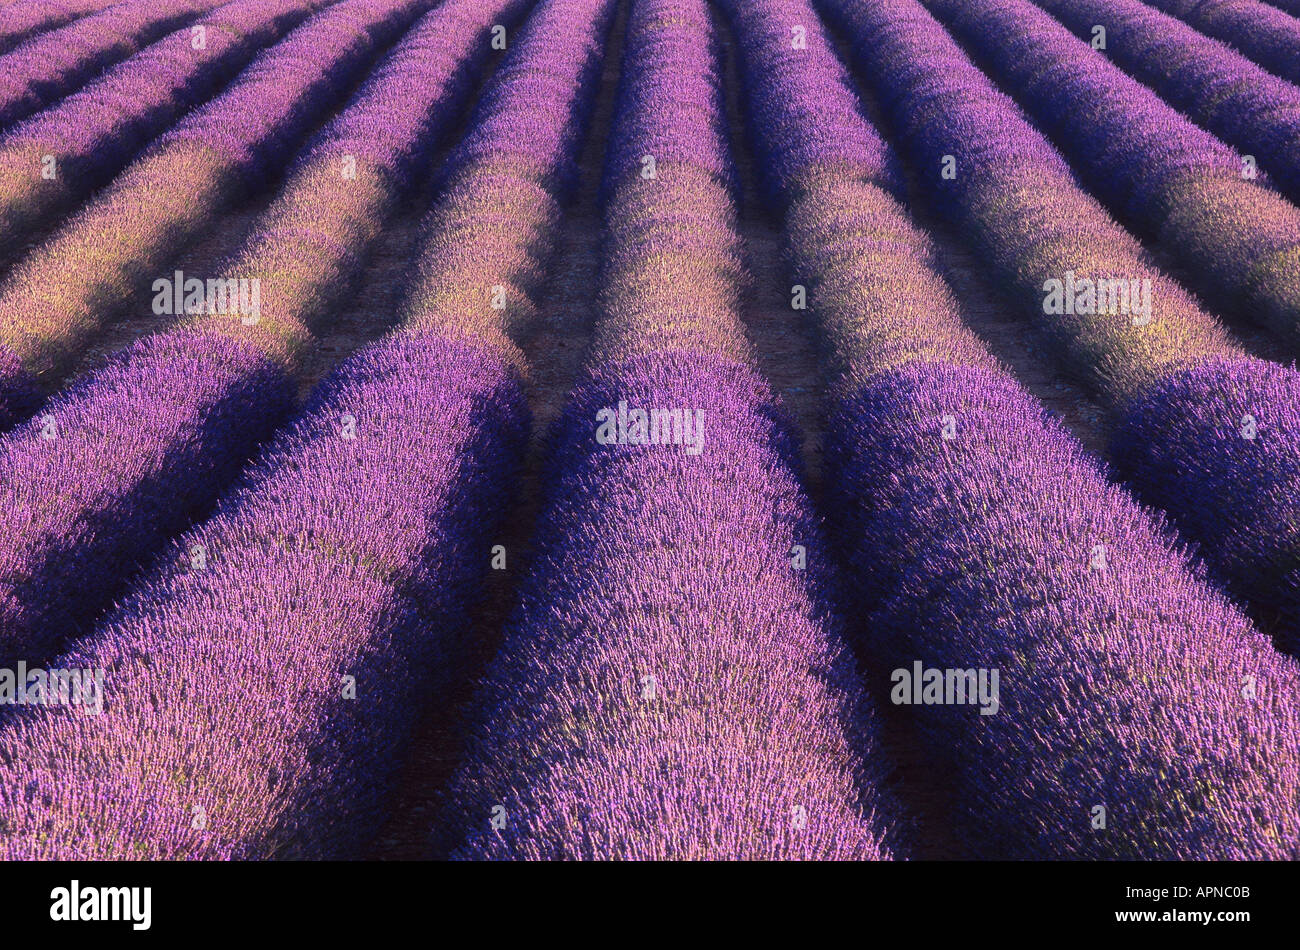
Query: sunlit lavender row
(1207,206)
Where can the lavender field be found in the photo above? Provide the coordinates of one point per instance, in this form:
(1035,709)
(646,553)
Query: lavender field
(649,429)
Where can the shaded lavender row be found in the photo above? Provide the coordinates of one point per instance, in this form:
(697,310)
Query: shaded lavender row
(1237,240)
(21,394)
(1267,35)
(47,67)
(272,688)
(976,551)
(59,296)
(673,683)
(95,132)
(1026,217)
(64,558)
(1208,80)
(21,21)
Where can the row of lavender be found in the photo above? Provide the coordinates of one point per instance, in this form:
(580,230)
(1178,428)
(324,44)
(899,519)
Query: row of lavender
(1237,239)
(52,64)
(128,455)
(362,528)
(59,156)
(20,22)
(1209,81)
(980,535)
(1204,432)
(673,683)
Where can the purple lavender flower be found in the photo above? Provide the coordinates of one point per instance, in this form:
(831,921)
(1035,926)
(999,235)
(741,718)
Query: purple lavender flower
(1140,715)
(71,543)
(113,467)
(671,686)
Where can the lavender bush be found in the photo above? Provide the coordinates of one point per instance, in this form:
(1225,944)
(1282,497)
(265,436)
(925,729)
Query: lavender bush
(221,736)
(1141,716)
